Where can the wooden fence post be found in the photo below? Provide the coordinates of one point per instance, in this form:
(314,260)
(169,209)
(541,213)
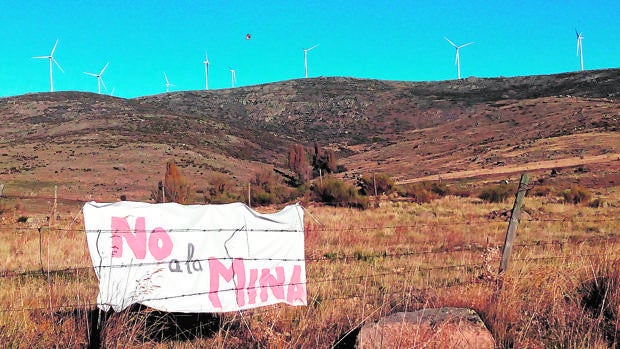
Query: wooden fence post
(514,222)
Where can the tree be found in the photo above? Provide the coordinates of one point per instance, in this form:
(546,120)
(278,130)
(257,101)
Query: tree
(174,188)
(298,163)
(323,160)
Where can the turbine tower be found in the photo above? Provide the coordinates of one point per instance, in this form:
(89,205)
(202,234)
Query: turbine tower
(168,84)
(457,62)
(99,78)
(233,77)
(51,59)
(206,63)
(306,58)
(579,47)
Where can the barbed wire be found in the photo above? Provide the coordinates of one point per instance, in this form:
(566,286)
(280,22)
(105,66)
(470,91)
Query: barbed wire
(324,228)
(356,256)
(360,277)
(306,283)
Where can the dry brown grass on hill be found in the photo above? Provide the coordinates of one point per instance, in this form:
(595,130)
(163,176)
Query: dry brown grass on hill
(360,265)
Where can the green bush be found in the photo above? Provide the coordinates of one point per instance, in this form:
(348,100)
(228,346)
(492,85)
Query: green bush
(335,192)
(542,190)
(381,182)
(424,192)
(461,191)
(598,203)
(497,193)
(440,189)
(576,194)
(268,189)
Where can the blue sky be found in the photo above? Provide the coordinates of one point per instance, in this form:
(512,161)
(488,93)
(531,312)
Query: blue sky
(391,40)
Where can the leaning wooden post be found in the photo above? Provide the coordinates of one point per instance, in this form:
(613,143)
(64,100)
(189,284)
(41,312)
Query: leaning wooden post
(514,222)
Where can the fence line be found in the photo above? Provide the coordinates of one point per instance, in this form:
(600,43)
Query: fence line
(308,283)
(351,257)
(407,291)
(318,299)
(335,229)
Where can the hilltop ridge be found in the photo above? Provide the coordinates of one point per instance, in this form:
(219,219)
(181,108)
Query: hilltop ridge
(101,145)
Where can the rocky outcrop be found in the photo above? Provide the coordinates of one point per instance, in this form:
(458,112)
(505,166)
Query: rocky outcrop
(427,328)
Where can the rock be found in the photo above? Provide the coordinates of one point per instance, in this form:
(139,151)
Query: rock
(427,328)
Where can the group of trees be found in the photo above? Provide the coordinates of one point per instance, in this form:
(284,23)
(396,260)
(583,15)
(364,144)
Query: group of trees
(268,187)
(307,165)
(272,187)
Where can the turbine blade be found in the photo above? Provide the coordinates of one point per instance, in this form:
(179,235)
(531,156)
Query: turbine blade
(451,43)
(58,65)
(103,83)
(313,47)
(54,48)
(47,57)
(91,74)
(166,77)
(102,70)
(467,44)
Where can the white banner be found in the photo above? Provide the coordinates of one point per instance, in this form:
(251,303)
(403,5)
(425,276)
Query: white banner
(197,258)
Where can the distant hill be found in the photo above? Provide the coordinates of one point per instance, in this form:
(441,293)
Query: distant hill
(99,146)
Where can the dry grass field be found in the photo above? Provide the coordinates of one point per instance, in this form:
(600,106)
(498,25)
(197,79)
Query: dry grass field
(409,251)
(561,290)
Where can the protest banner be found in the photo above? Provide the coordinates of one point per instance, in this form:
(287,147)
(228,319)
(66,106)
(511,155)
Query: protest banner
(195,258)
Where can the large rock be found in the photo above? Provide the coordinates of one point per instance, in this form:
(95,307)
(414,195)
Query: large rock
(427,328)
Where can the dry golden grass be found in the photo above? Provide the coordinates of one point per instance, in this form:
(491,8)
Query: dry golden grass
(561,288)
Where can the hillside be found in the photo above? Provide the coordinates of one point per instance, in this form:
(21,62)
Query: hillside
(98,147)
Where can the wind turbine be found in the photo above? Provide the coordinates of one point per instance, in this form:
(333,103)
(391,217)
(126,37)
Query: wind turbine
(99,78)
(206,63)
(168,84)
(306,58)
(457,62)
(233,77)
(579,47)
(51,59)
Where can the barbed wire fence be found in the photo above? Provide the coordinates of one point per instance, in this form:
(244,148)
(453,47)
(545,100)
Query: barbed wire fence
(63,273)
(54,274)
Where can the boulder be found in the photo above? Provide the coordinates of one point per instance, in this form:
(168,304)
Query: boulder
(427,328)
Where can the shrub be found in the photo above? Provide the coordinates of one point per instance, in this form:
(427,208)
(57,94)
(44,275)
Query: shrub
(598,203)
(543,190)
(419,192)
(440,189)
(268,189)
(380,181)
(576,194)
(335,192)
(462,191)
(600,297)
(424,192)
(221,190)
(497,193)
